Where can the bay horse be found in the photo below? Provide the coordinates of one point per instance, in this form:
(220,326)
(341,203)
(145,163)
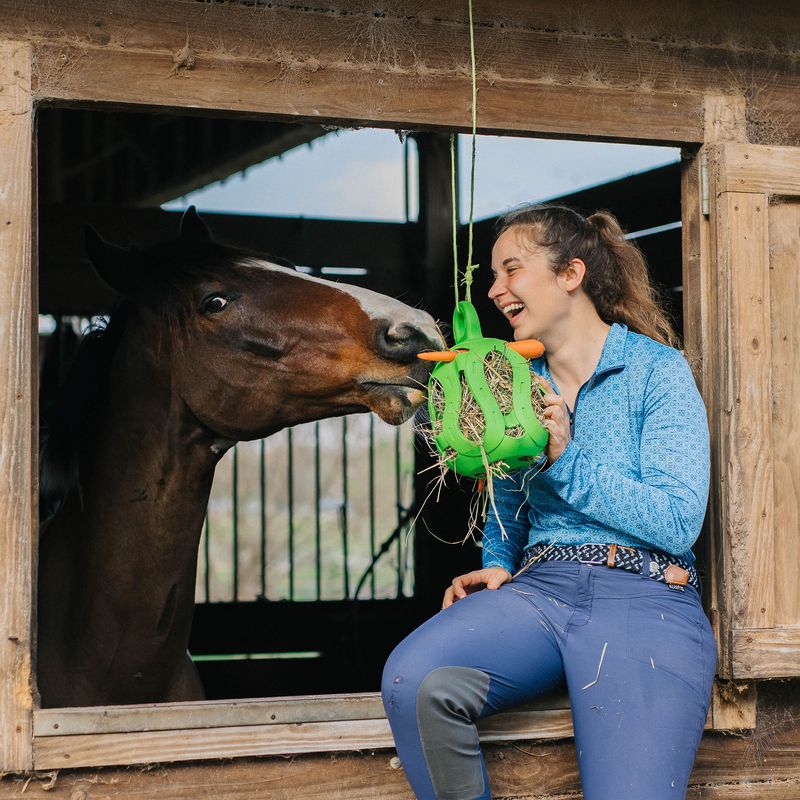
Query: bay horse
(210,345)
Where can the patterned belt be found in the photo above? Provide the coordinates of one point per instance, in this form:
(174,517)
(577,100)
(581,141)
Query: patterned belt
(675,572)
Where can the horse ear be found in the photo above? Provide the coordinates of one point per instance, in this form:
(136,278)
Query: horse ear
(193,228)
(111,263)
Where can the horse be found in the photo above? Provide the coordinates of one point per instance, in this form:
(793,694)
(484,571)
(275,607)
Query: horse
(209,345)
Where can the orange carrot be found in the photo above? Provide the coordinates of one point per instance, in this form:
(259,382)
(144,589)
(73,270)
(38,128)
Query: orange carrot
(527,348)
(446,355)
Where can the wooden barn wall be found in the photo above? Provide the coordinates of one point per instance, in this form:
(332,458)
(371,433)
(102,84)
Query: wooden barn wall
(689,73)
(18,421)
(642,69)
(756,765)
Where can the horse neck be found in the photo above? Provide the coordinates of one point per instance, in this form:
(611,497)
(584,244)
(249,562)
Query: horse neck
(149,479)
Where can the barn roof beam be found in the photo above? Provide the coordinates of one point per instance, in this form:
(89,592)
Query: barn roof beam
(99,158)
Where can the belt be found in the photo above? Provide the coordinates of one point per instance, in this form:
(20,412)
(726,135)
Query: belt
(675,572)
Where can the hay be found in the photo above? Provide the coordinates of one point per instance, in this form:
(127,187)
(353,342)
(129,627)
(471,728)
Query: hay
(499,376)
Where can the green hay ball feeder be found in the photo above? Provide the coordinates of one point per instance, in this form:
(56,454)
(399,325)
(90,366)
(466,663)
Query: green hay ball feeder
(466,371)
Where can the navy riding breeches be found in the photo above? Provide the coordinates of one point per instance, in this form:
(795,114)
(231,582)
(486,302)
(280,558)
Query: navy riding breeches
(637,658)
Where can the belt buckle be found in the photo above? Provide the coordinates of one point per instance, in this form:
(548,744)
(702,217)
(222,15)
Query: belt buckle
(587,561)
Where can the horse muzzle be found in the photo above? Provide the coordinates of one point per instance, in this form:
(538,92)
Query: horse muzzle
(394,402)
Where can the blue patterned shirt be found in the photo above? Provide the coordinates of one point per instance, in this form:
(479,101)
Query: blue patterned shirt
(636,472)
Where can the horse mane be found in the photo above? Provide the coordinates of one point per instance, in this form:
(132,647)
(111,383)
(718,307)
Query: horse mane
(65,433)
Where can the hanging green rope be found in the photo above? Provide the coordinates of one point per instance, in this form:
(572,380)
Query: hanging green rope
(470,266)
(481,397)
(454,203)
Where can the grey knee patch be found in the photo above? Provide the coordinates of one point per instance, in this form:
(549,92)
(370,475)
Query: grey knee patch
(449,701)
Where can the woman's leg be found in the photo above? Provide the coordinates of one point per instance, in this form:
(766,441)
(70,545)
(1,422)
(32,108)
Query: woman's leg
(489,651)
(639,673)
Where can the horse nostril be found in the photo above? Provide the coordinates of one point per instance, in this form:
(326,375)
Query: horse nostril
(402,342)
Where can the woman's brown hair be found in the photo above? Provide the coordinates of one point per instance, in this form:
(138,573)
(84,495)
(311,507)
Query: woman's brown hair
(616,280)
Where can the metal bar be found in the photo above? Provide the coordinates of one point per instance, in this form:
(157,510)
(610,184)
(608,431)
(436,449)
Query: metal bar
(262,482)
(399,506)
(235,498)
(206,553)
(343,510)
(405,180)
(290,504)
(372,501)
(318,531)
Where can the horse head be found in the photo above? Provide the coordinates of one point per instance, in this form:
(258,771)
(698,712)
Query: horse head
(255,346)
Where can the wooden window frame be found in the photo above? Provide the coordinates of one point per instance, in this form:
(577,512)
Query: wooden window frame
(34,738)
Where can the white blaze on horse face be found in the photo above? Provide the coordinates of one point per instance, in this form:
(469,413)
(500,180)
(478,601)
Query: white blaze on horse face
(374,305)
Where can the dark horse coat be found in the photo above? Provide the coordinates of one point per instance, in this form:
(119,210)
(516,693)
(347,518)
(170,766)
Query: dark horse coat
(210,345)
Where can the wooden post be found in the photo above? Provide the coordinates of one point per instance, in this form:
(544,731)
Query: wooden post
(17,403)
(724,121)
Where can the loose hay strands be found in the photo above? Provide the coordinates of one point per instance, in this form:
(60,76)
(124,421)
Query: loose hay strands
(500,378)
(599,667)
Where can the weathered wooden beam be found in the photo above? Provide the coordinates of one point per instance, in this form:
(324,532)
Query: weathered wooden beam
(393,71)
(609,72)
(227,713)
(379,97)
(784,252)
(757,765)
(193,744)
(18,391)
(273,140)
(742,406)
(774,170)
(733,705)
(767,653)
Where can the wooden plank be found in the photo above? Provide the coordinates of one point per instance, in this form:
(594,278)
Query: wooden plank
(733,705)
(784,272)
(698,328)
(380,97)
(17,401)
(403,50)
(725,118)
(206,714)
(721,615)
(759,169)
(766,653)
(766,790)
(83,750)
(760,30)
(768,756)
(236,713)
(743,404)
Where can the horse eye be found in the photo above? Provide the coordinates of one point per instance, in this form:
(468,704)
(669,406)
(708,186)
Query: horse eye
(215,304)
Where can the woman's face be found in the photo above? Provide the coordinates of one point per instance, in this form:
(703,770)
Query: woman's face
(525,290)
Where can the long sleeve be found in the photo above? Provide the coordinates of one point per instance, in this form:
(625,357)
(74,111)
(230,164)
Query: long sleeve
(506,531)
(665,507)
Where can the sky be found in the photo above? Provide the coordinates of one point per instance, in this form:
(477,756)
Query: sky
(358,174)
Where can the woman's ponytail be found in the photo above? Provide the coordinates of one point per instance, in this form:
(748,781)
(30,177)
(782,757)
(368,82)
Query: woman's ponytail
(637,303)
(616,279)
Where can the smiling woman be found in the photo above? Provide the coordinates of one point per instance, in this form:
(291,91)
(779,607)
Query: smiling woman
(211,345)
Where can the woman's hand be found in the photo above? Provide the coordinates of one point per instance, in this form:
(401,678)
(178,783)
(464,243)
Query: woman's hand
(556,420)
(489,578)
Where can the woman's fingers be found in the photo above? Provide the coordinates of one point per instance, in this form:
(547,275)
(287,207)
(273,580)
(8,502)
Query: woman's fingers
(489,578)
(555,419)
